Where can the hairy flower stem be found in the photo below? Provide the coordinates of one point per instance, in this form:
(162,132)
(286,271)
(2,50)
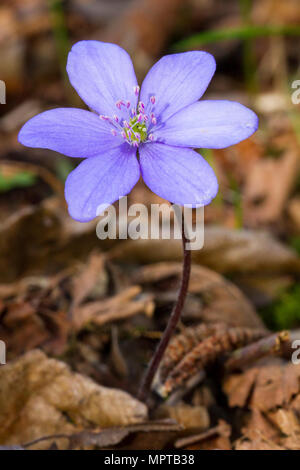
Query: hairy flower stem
(172,323)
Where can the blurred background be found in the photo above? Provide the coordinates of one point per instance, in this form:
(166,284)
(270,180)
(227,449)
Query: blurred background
(252,233)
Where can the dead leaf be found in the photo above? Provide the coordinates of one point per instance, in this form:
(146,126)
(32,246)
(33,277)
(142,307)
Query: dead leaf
(51,399)
(257,444)
(270,391)
(186,415)
(118,307)
(268,185)
(225,250)
(266,386)
(85,280)
(59,240)
(221,300)
(294,213)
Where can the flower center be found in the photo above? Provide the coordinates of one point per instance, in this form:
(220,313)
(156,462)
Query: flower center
(137,127)
(136,131)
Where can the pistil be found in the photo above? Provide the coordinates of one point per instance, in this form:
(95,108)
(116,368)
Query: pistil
(136,128)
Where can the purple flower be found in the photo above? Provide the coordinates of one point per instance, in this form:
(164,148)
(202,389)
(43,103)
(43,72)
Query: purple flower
(163,120)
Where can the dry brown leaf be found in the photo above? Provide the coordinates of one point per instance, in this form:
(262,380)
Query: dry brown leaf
(257,444)
(238,160)
(32,251)
(258,425)
(275,386)
(225,250)
(85,280)
(38,312)
(277,11)
(286,421)
(186,415)
(278,429)
(293,210)
(41,396)
(266,386)
(34,315)
(268,186)
(270,390)
(221,300)
(119,307)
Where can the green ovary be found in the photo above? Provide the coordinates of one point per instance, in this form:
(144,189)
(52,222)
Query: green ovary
(137,131)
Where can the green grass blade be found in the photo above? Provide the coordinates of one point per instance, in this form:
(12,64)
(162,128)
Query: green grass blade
(242,33)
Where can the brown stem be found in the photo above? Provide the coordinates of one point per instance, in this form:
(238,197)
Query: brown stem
(172,323)
(264,347)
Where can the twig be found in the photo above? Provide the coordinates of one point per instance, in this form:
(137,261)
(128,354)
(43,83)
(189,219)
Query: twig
(221,429)
(173,320)
(264,347)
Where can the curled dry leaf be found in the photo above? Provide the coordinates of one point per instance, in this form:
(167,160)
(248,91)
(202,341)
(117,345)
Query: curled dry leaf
(121,306)
(197,348)
(52,399)
(221,300)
